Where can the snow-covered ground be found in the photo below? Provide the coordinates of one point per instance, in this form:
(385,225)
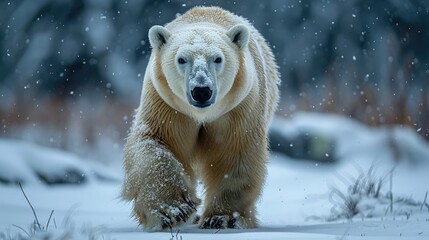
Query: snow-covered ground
(298,201)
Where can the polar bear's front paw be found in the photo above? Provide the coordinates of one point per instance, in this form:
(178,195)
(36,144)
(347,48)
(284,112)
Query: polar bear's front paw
(222,222)
(218,222)
(226,221)
(167,215)
(174,214)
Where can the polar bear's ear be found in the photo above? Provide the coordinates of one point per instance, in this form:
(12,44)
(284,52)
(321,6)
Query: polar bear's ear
(239,34)
(158,36)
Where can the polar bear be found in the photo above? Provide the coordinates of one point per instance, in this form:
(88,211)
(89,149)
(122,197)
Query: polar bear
(209,93)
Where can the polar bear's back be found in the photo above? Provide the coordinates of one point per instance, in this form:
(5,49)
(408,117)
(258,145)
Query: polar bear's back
(211,15)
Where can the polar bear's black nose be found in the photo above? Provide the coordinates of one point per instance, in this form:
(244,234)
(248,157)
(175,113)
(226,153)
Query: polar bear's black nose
(201,94)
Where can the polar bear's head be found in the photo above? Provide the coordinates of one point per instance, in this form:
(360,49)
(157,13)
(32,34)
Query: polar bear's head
(197,68)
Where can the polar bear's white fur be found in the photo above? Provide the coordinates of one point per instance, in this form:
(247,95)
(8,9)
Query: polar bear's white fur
(209,93)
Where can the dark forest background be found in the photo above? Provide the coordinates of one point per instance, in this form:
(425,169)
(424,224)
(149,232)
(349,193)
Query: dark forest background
(71,71)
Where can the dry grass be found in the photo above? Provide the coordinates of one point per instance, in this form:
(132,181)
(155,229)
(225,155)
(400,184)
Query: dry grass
(345,204)
(364,197)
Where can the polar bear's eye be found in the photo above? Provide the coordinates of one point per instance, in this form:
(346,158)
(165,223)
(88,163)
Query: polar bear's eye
(181,61)
(218,60)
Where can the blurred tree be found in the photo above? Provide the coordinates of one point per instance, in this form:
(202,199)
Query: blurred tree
(363,58)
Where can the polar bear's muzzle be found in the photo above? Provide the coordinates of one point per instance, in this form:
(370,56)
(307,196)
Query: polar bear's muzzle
(201,90)
(202,96)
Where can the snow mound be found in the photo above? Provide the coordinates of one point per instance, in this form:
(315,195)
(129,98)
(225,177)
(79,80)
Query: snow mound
(27,163)
(329,137)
